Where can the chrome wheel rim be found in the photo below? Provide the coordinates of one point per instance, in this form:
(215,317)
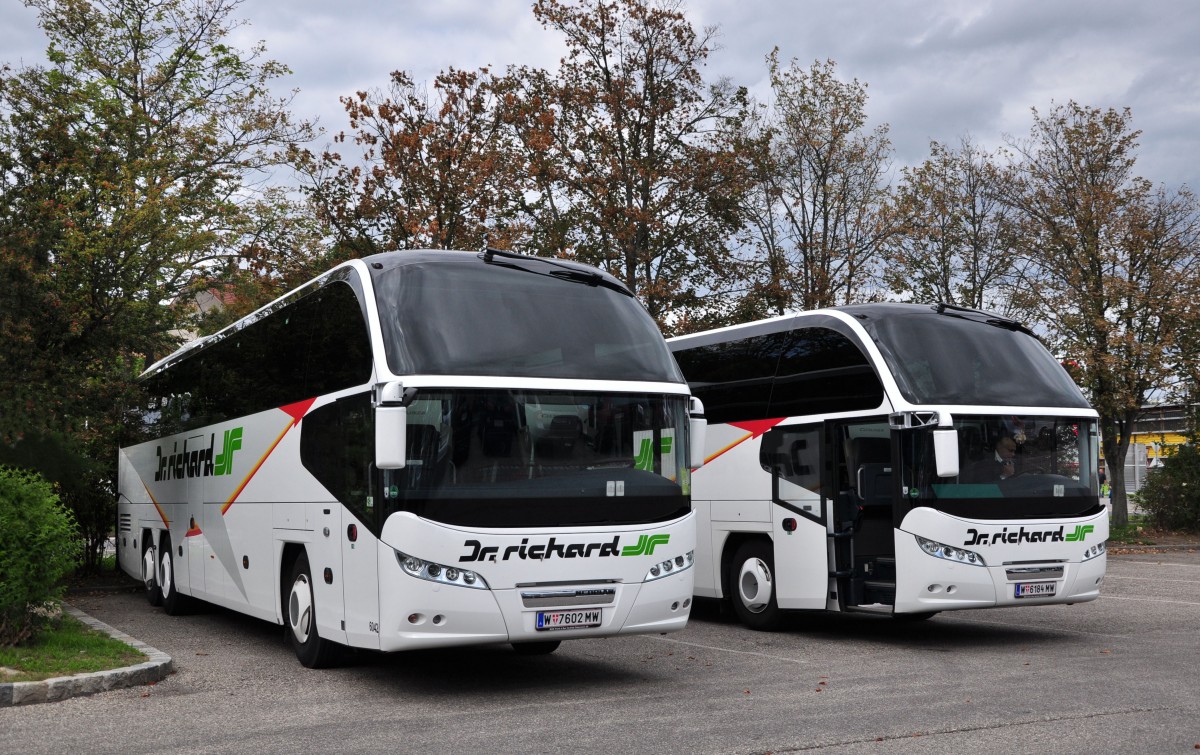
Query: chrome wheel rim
(148,568)
(300,609)
(754,585)
(165,572)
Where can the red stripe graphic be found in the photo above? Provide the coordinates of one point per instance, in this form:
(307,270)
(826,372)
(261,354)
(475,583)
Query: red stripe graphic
(296,411)
(753,428)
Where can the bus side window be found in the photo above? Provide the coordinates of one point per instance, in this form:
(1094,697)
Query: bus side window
(335,446)
(794,454)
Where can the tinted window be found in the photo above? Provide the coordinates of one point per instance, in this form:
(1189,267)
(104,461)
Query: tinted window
(295,351)
(516,458)
(733,378)
(822,371)
(953,360)
(336,446)
(461,316)
(788,374)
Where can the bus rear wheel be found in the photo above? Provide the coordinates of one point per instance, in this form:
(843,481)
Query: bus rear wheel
(150,570)
(752,586)
(312,650)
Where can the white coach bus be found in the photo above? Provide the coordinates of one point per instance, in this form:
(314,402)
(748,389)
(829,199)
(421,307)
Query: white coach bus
(421,449)
(891,458)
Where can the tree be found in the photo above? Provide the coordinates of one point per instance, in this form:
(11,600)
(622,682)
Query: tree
(817,219)
(625,150)
(1113,264)
(124,164)
(956,239)
(441,172)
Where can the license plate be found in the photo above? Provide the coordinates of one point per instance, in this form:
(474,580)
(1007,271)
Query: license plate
(1034,589)
(568,619)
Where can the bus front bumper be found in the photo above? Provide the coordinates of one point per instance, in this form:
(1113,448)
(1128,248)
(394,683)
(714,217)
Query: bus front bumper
(926,583)
(433,615)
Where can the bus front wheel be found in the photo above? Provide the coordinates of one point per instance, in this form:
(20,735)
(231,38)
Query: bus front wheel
(173,602)
(752,586)
(312,650)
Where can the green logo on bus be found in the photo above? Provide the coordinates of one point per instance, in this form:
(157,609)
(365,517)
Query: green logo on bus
(645,545)
(233,442)
(645,457)
(1081,532)
(198,462)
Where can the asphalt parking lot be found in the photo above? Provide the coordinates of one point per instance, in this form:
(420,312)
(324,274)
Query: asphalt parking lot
(1121,673)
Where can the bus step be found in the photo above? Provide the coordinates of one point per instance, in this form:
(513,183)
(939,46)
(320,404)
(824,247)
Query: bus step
(885,568)
(879,591)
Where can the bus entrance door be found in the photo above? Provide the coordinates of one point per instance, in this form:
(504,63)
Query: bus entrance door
(793,455)
(864,533)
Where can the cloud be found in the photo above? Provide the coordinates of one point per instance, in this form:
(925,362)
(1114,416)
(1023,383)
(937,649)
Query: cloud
(935,69)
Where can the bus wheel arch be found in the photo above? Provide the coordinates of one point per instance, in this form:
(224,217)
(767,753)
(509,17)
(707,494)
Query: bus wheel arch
(751,582)
(150,569)
(300,618)
(287,559)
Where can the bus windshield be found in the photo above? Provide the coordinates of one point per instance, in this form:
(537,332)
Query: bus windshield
(1011,467)
(472,318)
(952,359)
(516,458)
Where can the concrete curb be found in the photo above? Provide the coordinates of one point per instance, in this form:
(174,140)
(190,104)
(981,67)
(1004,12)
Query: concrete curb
(155,668)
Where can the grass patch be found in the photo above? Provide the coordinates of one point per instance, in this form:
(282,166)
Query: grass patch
(66,647)
(1132,533)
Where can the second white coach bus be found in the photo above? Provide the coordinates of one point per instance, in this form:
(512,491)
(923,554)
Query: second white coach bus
(892,458)
(421,449)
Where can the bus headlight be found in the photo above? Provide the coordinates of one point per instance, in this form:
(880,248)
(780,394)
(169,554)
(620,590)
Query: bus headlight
(671,566)
(443,575)
(1095,551)
(950,553)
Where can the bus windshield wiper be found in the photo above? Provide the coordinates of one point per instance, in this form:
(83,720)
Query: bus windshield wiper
(989,318)
(563,272)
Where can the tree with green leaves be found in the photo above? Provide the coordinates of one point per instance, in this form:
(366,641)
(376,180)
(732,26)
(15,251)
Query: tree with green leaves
(1113,264)
(125,162)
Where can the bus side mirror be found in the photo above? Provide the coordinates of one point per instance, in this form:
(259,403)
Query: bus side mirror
(945,452)
(697,433)
(391,425)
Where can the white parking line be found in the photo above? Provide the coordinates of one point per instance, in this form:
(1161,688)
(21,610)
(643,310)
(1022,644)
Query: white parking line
(715,648)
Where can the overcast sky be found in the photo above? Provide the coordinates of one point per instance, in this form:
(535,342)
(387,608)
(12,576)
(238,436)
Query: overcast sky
(935,69)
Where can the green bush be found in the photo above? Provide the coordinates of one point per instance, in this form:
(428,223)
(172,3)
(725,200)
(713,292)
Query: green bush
(1171,495)
(39,544)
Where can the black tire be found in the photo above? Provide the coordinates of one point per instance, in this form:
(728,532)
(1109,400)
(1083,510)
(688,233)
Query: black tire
(300,618)
(542,647)
(752,586)
(173,602)
(150,570)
